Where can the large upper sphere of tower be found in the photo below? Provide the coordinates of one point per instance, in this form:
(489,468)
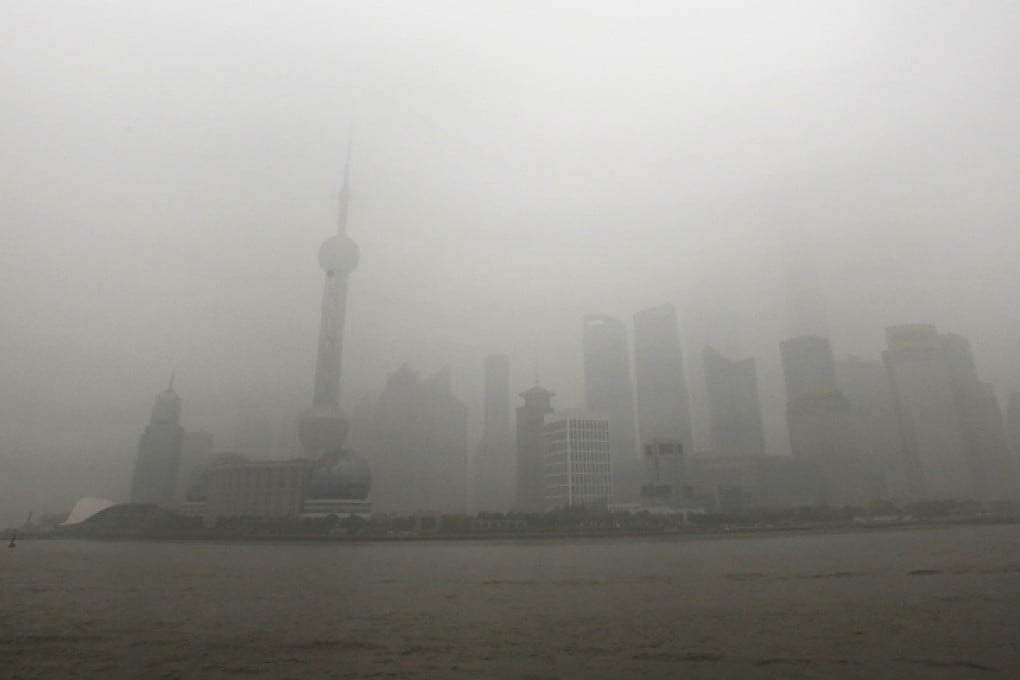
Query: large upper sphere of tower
(339,255)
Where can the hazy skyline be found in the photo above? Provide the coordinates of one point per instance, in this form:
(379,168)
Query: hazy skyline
(170,170)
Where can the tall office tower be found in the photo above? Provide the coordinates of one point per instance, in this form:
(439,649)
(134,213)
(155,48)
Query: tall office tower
(820,421)
(159,452)
(397,447)
(446,438)
(419,445)
(531,449)
(991,460)
(578,470)
(608,388)
(866,386)
(950,421)
(715,323)
(734,407)
(663,401)
(1013,423)
(324,428)
(494,469)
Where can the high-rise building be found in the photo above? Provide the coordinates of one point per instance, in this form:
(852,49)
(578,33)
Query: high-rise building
(820,420)
(418,445)
(531,449)
(493,466)
(991,460)
(714,323)
(578,471)
(447,445)
(608,388)
(663,401)
(734,407)
(159,452)
(952,428)
(933,437)
(866,385)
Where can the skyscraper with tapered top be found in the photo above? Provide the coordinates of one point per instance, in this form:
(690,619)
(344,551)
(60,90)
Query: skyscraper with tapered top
(159,452)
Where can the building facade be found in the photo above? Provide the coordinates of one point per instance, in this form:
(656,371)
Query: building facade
(665,475)
(953,436)
(608,388)
(578,467)
(237,487)
(531,449)
(866,385)
(418,448)
(663,400)
(820,421)
(493,470)
(734,407)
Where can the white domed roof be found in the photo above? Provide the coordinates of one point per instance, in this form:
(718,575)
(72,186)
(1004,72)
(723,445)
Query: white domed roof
(85,508)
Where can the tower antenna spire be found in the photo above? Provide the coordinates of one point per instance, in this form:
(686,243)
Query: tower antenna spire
(345,188)
(173,374)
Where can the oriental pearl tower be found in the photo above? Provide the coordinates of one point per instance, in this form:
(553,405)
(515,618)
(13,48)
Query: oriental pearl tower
(337,473)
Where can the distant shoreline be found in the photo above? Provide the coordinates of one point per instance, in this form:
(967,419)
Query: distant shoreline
(521,536)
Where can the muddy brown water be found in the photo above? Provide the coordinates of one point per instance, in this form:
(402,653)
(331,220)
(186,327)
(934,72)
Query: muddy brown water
(918,603)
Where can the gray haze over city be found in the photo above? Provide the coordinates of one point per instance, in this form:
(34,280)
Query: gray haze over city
(170,170)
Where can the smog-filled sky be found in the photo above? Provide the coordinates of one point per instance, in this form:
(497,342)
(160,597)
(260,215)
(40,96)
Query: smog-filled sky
(170,169)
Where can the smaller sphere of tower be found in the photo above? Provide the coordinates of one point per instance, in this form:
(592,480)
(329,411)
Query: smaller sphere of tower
(339,254)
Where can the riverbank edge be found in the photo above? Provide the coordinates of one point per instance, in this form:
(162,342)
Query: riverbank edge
(602,534)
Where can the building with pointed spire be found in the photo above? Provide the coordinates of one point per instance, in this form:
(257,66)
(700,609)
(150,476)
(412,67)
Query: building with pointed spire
(328,480)
(323,429)
(159,452)
(339,479)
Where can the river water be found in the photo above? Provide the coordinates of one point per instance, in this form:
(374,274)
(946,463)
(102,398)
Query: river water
(924,603)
